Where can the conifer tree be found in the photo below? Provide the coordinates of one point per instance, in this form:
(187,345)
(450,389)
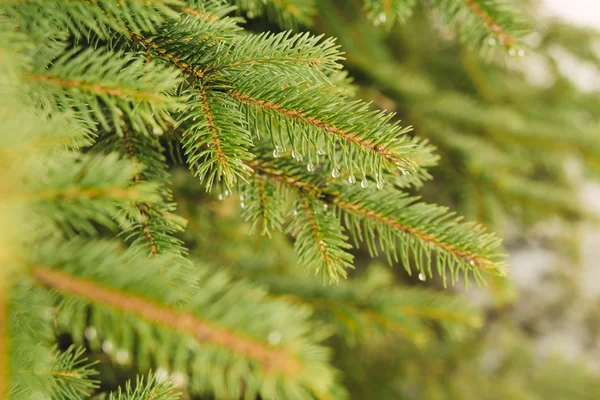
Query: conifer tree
(125,278)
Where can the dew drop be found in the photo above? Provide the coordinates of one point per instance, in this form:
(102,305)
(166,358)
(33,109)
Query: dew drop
(422,277)
(295,154)
(242,197)
(274,338)
(220,196)
(178,379)
(521,53)
(335,173)
(279,148)
(157,130)
(492,41)
(320,152)
(295,212)
(90,333)
(276,154)
(162,374)
(226,192)
(242,204)
(364,183)
(107,346)
(122,356)
(472,262)
(382,17)
(325,206)
(512,52)
(352,179)
(310,167)
(380,185)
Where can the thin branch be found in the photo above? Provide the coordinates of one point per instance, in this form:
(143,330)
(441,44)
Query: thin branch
(315,230)
(189,70)
(339,132)
(271,359)
(505,38)
(94,87)
(466,255)
(213,128)
(140,206)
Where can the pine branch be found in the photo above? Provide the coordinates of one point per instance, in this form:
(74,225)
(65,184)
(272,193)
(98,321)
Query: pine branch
(263,204)
(201,330)
(153,225)
(108,88)
(217,140)
(82,18)
(320,243)
(73,190)
(72,374)
(387,12)
(192,317)
(480,21)
(151,389)
(389,221)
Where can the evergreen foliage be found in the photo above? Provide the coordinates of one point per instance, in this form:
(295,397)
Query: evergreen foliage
(101,270)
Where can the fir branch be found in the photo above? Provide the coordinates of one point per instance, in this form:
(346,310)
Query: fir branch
(83,18)
(216,139)
(485,20)
(505,39)
(387,12)
(202,331)
(392,222)
(150,389)
(107,88)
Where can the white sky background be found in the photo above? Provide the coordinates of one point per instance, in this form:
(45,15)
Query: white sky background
(584,12)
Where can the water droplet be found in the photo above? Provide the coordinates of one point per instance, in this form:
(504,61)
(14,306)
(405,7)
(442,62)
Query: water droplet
(512,52)
(364,183)
(325,206)
(226,192)
(242,197)
(242,204)
(320,152)
(162,374)
(122,356)
(382,17)
(276,154)
(178,379)
(279,148)
(492,41)
(157,130)
(295,154)
(107,346)
(352,179)
(335,173)
(380,185)
(422,277)
(310,167)
(90,333)
(274,338)
(472,262)
(220,196)
(521,53)
(295,212)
